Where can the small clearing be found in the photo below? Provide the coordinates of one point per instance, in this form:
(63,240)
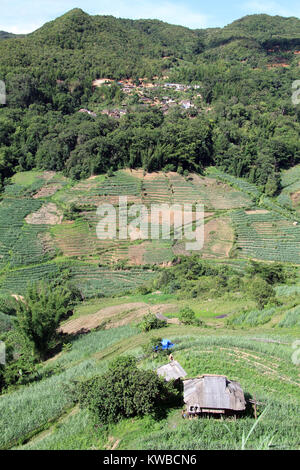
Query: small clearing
(47,191)
(257,211)
(48,214)
(117,315)
(295,198)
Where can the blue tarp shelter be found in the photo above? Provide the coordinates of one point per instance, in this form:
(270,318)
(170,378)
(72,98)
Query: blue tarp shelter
(166,344)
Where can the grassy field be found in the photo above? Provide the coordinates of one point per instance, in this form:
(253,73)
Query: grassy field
(264,369)
(254,347)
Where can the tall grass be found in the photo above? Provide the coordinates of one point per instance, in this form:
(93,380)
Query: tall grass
(292,318)
(32,407)
(278,429)
(263,369)
(253,318)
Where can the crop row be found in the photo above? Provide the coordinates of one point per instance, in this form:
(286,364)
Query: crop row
(91,279)
(267,236)
(240,183)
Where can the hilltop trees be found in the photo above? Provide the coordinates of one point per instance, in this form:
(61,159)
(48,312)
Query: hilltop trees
(244,123)
(39,314)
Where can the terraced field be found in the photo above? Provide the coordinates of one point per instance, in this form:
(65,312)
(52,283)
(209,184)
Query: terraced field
(252,346)
(90,279)
(290,195)
(21,243)
(266,236)
(35,228)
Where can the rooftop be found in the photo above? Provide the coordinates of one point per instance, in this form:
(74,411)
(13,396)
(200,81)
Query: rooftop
(214,392)
(170,371)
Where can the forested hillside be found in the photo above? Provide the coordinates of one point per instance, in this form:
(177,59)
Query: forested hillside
(237,82)
(5,35)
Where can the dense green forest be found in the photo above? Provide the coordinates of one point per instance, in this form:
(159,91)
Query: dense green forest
(240,78)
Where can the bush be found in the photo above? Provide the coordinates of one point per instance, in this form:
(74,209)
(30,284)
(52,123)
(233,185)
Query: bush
(144,290)
(187,316)
(124,391)
(260,291)
(6,323)
(154,348)
(8,305)
(151,322)
(272,273)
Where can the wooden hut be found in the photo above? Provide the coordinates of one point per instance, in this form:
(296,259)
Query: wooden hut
(170,371)
(213,394)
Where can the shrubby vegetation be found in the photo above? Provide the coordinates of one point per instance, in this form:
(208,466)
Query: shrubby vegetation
(153,348)
(190,277)
(151,322)
(39,315)
(125,391)
(187,316)
(29,326)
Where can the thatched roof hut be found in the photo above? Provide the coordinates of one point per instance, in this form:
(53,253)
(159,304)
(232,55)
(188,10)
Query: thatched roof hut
(213,394)
(170,371)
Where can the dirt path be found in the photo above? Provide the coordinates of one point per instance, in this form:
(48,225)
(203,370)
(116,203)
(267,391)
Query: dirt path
(117,315)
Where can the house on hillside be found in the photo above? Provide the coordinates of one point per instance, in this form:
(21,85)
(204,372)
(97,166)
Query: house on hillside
(207,394)
(170,371)
(91,113)
(186,104)
(167,100)
(176,86)
(213,394)
(114,113)
(101,81)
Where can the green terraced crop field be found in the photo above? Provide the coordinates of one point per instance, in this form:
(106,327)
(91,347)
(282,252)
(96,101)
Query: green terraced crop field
(229,204)
(266,236)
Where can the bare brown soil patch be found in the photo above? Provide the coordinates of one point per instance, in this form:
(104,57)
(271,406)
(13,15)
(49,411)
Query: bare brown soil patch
(282,64)
(47,242)
(258,211)
(203,180)
(218,238)
(114,316)
(136,254)
(112,443)
(48,214)
(139,173)
(47,191)
(154,175)
(295,198)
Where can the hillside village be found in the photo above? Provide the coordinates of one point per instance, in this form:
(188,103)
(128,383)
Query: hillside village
(149,94)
